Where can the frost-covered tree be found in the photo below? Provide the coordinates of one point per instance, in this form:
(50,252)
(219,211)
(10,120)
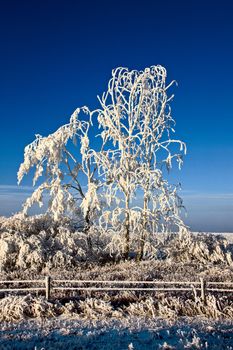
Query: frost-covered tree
(136,150)
(55,158)
(135,117)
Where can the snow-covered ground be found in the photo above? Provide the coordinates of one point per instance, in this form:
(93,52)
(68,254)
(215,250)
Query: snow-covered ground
(130,333)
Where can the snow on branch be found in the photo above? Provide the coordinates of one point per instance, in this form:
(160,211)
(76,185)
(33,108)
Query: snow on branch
(52,158)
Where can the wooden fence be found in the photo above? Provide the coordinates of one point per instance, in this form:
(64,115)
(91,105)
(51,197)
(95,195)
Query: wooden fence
(49,286)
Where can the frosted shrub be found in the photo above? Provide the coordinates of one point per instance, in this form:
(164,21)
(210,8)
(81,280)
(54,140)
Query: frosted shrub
(145,308)
(41,308)
(8,252)
(29,225)
(58,246)
(62,247)
(205,248)
(61,259)
(172,307)
(95,308)
(14,308)
(31,254)
(70,308)
(18,308)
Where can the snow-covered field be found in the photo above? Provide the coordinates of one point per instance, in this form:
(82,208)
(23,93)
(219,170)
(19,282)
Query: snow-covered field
(130,333)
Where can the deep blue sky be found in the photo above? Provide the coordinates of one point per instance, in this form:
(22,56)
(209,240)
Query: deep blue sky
(58,55)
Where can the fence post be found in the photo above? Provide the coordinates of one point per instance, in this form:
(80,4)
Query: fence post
(203,295)
(47,287)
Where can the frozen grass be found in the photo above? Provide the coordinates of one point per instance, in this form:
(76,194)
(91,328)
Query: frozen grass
(120,306)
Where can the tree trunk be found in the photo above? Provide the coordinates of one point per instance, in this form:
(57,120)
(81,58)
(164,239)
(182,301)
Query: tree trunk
(144,230)
(127,228)
(87,228)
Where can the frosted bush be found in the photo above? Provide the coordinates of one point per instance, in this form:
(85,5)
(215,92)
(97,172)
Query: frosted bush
(37,243)
(171,307)
(70,308)
(15,308)
(61,259)
(41,308)
(22,248)
(31,254)
(145,308)
(28,225)
(8,251)
(94,308)
(206,248)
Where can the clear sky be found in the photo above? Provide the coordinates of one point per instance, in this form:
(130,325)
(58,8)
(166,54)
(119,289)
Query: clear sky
(58,55)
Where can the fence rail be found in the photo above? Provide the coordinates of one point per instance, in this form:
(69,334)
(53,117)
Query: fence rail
(49,285)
